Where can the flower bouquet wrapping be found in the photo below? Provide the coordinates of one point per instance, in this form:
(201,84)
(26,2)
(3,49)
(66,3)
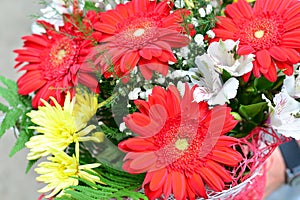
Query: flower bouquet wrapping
(147,99)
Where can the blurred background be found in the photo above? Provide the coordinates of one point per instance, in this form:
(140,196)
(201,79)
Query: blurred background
(15,22)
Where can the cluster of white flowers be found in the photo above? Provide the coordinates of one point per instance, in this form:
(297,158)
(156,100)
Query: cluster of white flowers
(211,88)
(223,57)
(203,12)
(53,14)
(220,55)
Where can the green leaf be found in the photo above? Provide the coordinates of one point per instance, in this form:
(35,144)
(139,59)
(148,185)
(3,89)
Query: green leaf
(118,184)
(64,197)
(11,98)
(23,137)
(10,119)
(3,108)
(262,83)
(89,5)
(29,165)
(250,111)
(11,85)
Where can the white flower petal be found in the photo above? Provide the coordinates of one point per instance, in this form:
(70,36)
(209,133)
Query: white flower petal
(228,91)
(282,117)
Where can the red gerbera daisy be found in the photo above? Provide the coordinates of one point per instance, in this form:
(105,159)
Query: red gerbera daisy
(180,144)
(270,30)
(52,63)
(140,32)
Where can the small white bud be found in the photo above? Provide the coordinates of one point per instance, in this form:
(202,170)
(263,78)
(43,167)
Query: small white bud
(211,34)
(209,9)
(202,12)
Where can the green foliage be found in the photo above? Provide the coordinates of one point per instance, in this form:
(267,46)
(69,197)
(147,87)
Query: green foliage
(23,137)
(89,5)
(29,165)
(117,185)
(249,104)
(15,113)
(113,133)
(251,111)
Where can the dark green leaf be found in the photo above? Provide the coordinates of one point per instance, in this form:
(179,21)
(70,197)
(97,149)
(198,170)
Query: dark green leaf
(262,84)
(250,111)
(10,119)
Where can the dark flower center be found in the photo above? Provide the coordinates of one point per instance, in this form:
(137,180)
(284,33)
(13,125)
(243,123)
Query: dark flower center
(262,32)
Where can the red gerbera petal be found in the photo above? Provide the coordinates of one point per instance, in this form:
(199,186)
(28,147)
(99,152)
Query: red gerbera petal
(187,152)
(267,30)
(138,27)
(52,62)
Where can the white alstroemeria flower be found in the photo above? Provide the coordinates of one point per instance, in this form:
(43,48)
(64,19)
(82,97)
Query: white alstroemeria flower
(292,86)
(53,12)
(211,88)
(223,58)
(284,117)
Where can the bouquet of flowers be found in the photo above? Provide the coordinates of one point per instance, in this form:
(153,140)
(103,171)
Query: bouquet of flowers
(149,99)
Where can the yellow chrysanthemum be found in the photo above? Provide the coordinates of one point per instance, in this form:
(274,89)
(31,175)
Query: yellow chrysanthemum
(85,106)
(60,126)
(189,3)
(60,172)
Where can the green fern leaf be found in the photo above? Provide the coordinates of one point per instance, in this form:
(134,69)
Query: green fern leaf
(24,136)
(64,197)
(10,119)
(3,108)
(10,84)
(118,185)
(29,165)
(10,97)
(80,195)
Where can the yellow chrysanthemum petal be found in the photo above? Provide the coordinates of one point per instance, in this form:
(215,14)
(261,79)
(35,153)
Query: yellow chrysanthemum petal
(86,106)
(59,172)
(60,126)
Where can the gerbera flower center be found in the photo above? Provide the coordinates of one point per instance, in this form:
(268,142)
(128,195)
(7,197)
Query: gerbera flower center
(139,32)
(259,34)
(179,142)
(131,30)
(61,56)
(182,144)
(262,32)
